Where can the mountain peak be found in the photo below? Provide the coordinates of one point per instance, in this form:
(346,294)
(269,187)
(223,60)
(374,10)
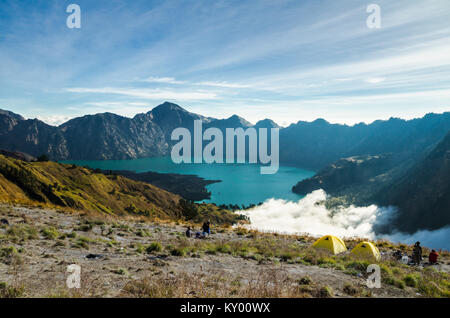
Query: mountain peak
(266,123)
(320,121)
(235,119)
(168,106)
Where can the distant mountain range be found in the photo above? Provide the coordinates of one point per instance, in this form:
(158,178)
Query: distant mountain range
(106,136)
(388,162)
(306,144)
(319,143)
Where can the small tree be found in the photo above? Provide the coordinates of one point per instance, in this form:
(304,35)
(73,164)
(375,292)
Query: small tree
(189,209)
(43,158)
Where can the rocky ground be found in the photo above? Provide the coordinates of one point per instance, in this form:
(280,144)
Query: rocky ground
(133,258)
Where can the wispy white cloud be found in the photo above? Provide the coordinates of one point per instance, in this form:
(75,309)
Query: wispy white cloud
(151,94)
(375,80)
(290,59)
(222,84)
(174,81)
(374,68)
(115,104)
(165,80)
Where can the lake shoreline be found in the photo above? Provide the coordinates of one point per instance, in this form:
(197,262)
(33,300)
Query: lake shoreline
(235,184)
(189,186)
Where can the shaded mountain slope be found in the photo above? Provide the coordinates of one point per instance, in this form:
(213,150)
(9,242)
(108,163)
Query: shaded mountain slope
(354,178)
(31,136)
(423,194)
(8,120)
(109,136)
(420,190)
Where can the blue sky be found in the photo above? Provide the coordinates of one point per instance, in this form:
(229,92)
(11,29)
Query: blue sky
(286,60)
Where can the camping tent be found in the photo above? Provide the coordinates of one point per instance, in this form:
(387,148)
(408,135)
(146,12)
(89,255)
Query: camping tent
(332,243)
(367,250)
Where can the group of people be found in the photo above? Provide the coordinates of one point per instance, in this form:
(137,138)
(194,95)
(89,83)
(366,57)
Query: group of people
(416,257)
(204,232)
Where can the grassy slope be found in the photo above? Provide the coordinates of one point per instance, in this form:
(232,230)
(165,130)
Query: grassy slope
(78,188)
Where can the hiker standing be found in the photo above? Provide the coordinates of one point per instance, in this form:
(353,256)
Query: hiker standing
(209,226)
(417,253)
(206,228)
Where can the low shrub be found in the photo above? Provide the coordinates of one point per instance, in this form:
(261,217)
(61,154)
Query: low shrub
(325,292)
(22,232)
(410,280)
(10,291)
(351,290)
(154,247)
(120,271)
(305,280)
(177,251)
(50,233)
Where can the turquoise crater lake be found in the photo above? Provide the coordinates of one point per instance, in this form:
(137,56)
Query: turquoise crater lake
(241,183)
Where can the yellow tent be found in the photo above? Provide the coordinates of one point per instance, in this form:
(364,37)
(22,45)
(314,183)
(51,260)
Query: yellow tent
(332,243)
(367,250)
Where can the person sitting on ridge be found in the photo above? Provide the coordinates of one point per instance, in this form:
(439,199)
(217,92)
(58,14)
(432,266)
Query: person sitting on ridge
(397,255)
(433,257)
(199,235)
